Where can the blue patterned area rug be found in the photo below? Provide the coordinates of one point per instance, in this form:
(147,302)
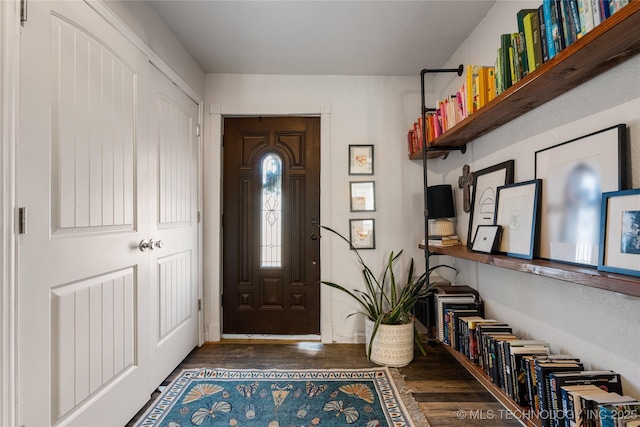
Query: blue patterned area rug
(275,398)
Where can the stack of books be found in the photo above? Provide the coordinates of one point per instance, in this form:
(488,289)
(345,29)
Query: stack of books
(443,241)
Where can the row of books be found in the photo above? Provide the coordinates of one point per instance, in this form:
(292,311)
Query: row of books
(443,241)
(556,387)
(475,92)
(542,33)
(546,31)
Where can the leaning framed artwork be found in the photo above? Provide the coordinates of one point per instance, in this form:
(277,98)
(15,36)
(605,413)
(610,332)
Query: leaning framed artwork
(517,213)
(360,159)
(483,198)
(575,174)
(362,233)
(487,238)
(620,233)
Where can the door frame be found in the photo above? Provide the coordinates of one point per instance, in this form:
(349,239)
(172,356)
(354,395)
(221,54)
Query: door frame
(214,128)
(9,112)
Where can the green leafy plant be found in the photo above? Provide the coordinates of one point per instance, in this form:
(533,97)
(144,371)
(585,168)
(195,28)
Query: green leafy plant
(386,300)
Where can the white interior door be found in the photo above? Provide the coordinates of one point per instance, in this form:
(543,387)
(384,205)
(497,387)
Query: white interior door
(84,317)
(174,223)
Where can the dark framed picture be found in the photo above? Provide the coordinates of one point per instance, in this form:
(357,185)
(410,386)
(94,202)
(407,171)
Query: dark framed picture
(362,195)
(517,213)
(487,238)
(575,174)
(484,195)
(360,159)
(362,233)
(620,233)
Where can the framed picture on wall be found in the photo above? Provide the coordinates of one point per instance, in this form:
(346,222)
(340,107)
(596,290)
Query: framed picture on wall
(517,213)
(620,233)
(362,195)
(360,159)
(575,174)
(484,195)
(362,233)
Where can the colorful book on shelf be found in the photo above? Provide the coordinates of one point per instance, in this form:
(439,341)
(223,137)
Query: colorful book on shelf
(526,36)
(441,300)
(543,34)
(573,402)
(606,380)
(557,29)
(549,18)
(616,415)
(444,243)
(505,63)
(586,17)
(530,31)
(519,370)
(543,369)
(590,415)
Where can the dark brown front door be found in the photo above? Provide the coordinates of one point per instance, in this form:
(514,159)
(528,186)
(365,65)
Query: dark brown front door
(271,204)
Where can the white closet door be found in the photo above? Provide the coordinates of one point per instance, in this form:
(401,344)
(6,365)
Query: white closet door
(173,172)
(84,317)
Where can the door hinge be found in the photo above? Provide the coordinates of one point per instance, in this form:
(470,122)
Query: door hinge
(198,217)
(22,220)
(199,305)
(23,10)
(198,129)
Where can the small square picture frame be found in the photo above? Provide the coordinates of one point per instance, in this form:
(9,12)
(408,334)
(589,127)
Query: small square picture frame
(362,233)
(620,233)
(362,196)
(487,238)
(360,159)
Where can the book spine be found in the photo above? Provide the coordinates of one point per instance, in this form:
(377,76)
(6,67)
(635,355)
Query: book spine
(586,16)
(556,24)
(565,14)
(529,41)
(505,64)
(575,20)
(548,23)
(574,13)
(595,12)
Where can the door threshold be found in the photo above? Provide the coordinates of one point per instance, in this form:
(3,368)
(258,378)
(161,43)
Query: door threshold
(288,338)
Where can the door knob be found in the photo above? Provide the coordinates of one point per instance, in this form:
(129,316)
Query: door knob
(144,245)
(157,244)
(314,237)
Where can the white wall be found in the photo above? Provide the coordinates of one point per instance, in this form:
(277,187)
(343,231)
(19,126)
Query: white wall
(598,326)
(140,17)
(357,110)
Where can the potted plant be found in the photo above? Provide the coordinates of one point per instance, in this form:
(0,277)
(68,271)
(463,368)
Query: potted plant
(388,307)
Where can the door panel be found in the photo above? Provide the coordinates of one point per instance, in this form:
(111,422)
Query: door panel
(83,317)
(271,211)
(174,275)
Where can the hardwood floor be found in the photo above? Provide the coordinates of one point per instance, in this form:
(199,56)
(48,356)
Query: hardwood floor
(446,393)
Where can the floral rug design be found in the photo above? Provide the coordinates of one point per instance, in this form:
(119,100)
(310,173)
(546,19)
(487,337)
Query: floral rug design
(275,398)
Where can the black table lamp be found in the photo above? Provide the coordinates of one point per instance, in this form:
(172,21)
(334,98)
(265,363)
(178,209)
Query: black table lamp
(440,207)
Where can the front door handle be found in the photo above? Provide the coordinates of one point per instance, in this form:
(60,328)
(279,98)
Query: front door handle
(314,237)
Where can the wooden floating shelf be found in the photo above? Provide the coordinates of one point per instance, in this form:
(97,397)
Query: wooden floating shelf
(586,276)
(608,44)
(522,414)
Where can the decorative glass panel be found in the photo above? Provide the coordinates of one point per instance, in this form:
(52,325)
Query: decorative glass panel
(271,212)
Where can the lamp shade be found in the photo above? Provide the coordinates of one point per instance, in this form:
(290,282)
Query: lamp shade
(440,201)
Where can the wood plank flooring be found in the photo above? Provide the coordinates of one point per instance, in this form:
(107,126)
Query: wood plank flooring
(446,393)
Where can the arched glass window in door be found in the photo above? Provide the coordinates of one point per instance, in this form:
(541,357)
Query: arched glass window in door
(271,212)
